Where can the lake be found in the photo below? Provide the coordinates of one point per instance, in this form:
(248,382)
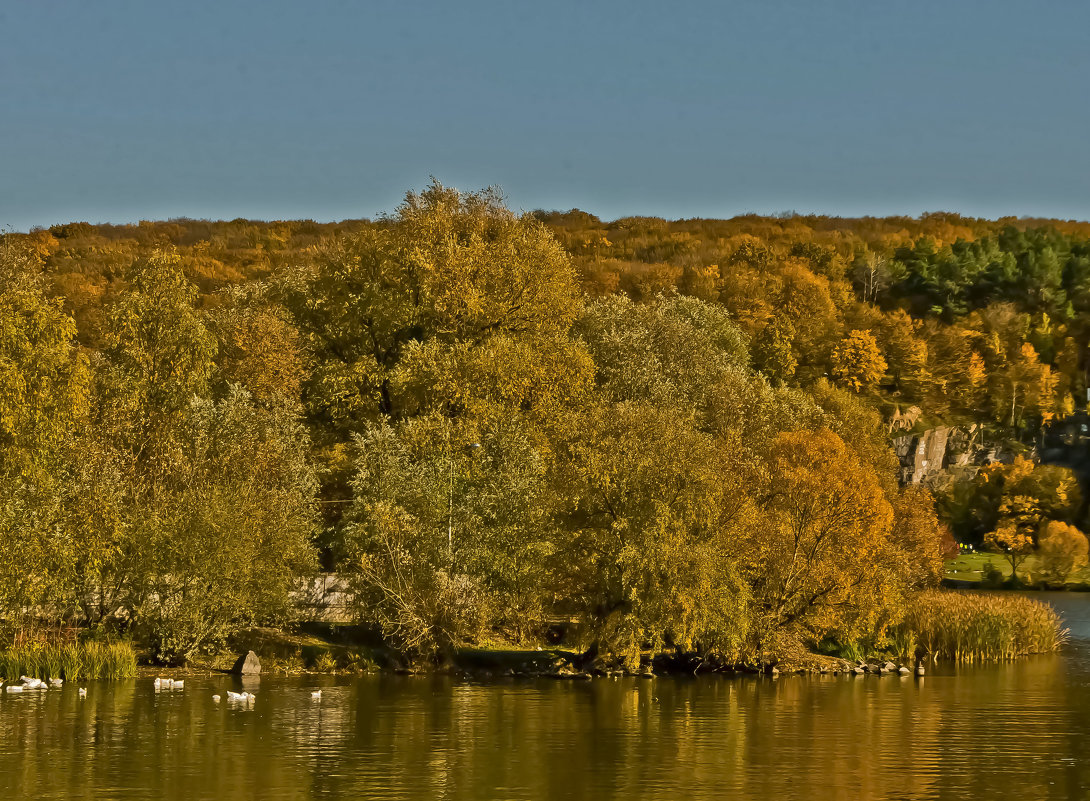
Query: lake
(1017,731)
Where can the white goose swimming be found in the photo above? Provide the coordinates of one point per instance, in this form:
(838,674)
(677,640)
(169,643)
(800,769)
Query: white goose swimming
(242,698)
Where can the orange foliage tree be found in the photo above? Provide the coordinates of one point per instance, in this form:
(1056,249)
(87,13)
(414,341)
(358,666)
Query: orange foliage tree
(828,525)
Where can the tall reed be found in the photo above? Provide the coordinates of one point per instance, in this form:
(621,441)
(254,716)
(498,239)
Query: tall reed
(89,660)
(978,627)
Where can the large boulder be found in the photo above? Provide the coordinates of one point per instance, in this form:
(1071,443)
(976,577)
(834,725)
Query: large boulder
(247,665)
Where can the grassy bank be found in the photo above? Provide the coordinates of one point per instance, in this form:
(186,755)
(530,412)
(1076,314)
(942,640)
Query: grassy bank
(944,624)
(979,567)
(962,626)
(70,661)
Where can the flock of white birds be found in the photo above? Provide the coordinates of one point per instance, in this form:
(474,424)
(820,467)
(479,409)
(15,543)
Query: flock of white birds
(28,683)
(160,684)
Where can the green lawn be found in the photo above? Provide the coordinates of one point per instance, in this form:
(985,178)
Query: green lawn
(970,567)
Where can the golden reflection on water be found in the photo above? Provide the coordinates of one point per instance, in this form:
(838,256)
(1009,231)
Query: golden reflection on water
(997,732)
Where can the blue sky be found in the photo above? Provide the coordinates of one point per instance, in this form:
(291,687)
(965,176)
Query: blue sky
(119,111)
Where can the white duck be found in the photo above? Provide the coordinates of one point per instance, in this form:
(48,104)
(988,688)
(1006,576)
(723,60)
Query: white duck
(316,695)
(215,699)
(82,692)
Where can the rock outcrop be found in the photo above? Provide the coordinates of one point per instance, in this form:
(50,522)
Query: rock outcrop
(943,452)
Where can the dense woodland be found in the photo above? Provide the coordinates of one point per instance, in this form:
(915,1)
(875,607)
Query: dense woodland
(675,433)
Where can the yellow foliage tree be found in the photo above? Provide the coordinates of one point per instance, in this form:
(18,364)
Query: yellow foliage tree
(858,361)
(1020,516)
(1062,549)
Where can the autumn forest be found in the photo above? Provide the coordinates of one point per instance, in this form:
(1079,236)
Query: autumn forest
(677,433)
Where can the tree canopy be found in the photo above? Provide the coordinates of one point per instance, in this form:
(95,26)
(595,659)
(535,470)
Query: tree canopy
(488,422)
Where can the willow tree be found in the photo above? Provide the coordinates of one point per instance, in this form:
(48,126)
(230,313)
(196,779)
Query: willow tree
(229,535)
(440,328)
(43,406)
(817,562)
(650,490)
(650,506)
(200,507)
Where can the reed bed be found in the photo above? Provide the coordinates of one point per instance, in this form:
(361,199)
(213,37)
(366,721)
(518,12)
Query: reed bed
(976,627)
(90,660)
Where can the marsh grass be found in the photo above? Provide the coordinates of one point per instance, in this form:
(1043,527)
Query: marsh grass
(90,660)
(977,627)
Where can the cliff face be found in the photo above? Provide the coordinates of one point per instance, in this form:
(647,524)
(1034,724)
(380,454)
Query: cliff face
(939,455)
(942,453)
(923,454)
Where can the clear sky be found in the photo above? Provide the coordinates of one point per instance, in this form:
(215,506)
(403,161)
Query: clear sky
(119,111)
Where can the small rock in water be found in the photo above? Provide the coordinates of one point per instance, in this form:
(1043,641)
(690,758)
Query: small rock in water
(248,665)
(889,666)
(903,670)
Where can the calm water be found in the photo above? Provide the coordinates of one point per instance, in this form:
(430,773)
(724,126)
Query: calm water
(1013,731)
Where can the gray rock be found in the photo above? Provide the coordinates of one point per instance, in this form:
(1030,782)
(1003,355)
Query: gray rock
(903,670)
(889,666)
(247,665)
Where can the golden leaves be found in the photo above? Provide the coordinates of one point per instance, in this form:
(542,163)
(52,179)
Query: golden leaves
(858,361)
